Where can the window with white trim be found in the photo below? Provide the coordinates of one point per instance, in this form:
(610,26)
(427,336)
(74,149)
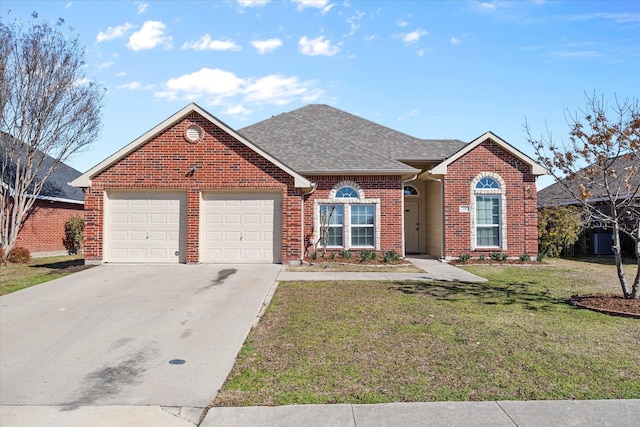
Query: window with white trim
(362,225)
(488,215)
(350,220)
(331,216)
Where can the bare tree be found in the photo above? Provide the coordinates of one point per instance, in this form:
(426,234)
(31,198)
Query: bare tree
(599,169)
(49,111)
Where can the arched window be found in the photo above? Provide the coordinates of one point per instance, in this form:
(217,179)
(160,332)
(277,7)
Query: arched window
(488,216)
(487,183)
(346,193)
(410,190)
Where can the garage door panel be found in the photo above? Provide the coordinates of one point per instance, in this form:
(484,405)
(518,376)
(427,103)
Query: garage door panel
(240,227)
(145,227)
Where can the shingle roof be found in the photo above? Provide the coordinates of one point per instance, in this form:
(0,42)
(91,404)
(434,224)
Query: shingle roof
(555,194)
(322,139)
(56,186)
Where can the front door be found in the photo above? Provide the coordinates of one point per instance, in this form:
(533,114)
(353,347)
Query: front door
(411,226)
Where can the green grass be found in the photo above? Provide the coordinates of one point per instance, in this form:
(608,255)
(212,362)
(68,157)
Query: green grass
(14,277)
(514,337)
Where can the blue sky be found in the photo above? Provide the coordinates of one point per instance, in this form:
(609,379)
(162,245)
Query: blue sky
(427,68)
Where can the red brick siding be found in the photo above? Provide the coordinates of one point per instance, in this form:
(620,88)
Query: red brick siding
(521,196)
(44,229)
(386,188)
(222,162)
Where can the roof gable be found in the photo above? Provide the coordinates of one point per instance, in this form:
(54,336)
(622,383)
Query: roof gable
(441,169)
(85,179)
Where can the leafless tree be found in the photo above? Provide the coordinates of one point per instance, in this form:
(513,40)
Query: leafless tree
(50,110)
(599,169)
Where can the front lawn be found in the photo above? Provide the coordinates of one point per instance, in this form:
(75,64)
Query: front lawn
(514,337)
(14,277)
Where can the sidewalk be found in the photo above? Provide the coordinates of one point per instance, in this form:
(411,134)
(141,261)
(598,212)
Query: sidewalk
(556,413)
(433,270)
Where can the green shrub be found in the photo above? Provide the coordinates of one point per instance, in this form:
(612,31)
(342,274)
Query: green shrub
(464,257)
(345,254)
(333,255)
(525,257)
(367,255)
(540,257)
(19,255)
(73,230)
(314,255)
(481,257)
(390,256)
(495,256)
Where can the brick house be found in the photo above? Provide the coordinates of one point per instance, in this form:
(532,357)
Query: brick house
(193,190)
(43,231)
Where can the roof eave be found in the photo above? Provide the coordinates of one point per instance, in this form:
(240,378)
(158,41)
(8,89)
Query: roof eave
(366,172)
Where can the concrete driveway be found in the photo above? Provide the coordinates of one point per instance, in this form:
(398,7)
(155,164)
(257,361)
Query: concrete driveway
(128,334)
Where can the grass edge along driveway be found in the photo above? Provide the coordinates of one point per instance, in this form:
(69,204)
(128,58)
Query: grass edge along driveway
(514,337)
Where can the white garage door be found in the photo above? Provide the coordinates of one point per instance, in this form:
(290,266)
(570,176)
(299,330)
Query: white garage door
(241,227)
(145,227)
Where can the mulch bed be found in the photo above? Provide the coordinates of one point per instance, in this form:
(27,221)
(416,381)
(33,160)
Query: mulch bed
(353,260)
(613,304)
(474,261)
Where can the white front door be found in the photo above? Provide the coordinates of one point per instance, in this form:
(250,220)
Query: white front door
(241,227)
(411,226)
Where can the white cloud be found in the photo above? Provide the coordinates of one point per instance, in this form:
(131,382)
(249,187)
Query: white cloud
(142,6)
(68,5)
(354,21)
(413,36)
(206,82)
(317,46)
(401,23)
(134,86)
(252,3)
(455,41)
(317,4)
(205,43)
(237,110)
(104,65)
(114,32)
(151,34)
(370,38)
(266,46)
(216,87)
(121,74)
(486,5)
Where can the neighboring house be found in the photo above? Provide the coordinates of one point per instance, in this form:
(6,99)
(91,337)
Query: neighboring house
(596,240)
(192,190)
(43,230)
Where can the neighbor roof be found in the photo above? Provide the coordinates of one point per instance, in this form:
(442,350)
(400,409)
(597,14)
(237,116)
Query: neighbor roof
(56,187)
(556,194)
(319,139)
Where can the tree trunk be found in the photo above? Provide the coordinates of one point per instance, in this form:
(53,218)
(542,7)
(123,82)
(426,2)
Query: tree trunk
(618,257)
(636,281)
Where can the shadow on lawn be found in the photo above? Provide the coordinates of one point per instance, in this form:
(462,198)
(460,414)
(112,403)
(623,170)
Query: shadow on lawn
(487,293)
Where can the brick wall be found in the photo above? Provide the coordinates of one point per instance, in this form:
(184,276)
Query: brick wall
(44,229)
(521,201)
(388,189)
(222,162)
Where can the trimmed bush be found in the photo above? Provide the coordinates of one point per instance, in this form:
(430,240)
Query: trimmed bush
(464,257)
(73,230)
(525,257)
(390,256)
(19,255)
(367,255)
(346,254)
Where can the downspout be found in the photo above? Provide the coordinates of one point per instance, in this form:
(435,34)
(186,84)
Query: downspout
(430,178)
(404,253)
(308,193)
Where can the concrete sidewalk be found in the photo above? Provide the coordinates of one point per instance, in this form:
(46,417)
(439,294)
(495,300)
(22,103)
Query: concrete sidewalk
(614,413)
(433,270)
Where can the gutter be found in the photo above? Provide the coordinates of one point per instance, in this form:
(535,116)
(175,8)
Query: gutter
(305,194)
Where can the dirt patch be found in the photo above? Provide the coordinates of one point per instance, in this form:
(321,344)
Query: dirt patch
(495,262)
(71,269)
(612,304)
